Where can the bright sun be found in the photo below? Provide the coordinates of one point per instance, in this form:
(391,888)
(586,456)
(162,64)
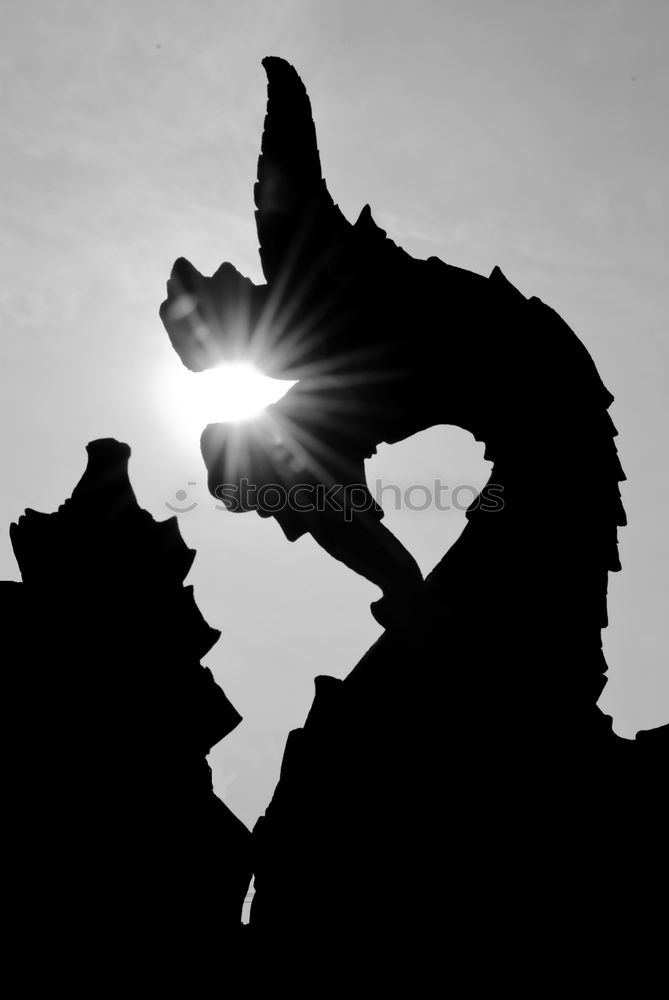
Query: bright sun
(229,393)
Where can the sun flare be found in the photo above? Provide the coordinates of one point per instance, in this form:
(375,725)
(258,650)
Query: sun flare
(229,393)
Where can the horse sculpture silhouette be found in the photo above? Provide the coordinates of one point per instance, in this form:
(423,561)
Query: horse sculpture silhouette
(383,346)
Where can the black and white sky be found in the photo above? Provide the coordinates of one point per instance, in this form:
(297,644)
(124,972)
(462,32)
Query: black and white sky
(528,134)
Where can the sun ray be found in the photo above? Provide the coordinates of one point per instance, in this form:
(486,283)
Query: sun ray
(231,392)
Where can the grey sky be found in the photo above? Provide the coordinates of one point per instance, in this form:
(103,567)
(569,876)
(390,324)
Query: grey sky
(531,135)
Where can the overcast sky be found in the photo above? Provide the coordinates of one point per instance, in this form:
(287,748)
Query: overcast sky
(528,134)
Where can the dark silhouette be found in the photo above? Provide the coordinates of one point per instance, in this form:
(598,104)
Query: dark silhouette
(384,346)
(458,804)
(123,863)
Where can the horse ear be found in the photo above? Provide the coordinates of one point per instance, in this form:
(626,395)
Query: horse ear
(297,221)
